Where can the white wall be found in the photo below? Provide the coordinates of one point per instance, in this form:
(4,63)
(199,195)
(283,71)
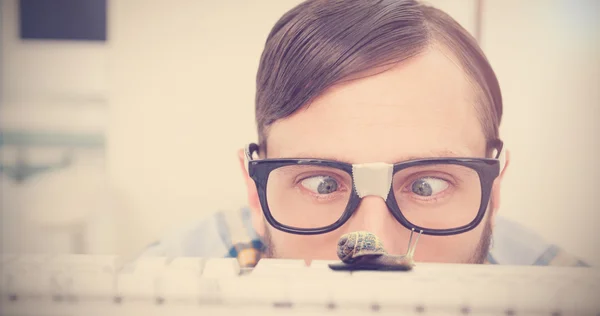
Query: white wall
(547,57)
(179,80)
(182,80)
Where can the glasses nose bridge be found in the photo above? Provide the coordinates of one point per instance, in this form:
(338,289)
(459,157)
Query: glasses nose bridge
(372,179)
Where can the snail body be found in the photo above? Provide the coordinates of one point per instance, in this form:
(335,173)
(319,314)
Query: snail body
(363,250)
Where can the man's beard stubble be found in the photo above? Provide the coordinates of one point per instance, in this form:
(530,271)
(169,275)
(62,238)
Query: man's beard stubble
(479,256)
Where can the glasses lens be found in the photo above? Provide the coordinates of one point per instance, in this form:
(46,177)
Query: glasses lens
(307,196)
(438,196)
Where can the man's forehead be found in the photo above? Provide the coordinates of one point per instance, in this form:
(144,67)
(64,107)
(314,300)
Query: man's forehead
(421,109)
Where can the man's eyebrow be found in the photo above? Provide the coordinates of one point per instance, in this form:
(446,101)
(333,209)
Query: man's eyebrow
(431,154)
(434,154)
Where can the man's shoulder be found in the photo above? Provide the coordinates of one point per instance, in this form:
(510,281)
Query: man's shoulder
(515,244)
(220,233)
(211,236)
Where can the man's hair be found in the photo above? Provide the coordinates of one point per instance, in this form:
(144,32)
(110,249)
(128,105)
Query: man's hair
(320,43)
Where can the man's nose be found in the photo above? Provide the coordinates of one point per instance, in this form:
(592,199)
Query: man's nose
(373,215)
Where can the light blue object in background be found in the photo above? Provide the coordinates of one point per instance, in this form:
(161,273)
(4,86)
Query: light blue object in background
(21,170)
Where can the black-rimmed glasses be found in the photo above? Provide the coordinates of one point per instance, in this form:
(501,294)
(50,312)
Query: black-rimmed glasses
(440,196)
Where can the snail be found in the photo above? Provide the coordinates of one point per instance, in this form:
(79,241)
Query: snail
(363,250)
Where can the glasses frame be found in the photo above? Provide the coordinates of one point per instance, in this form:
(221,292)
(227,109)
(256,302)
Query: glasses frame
(488,170)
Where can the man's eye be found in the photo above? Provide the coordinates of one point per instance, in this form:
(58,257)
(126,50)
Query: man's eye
(320,184)
(429,186)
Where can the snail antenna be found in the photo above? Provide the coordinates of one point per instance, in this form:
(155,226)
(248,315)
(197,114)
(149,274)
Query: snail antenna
(409,241)
(411,250)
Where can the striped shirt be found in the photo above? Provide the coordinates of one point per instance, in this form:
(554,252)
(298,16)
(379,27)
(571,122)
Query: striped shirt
(225,233)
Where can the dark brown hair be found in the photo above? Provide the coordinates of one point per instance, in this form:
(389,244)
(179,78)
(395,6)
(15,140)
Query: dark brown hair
(320,43)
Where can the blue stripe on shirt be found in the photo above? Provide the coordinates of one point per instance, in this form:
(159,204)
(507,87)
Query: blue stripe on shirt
(547,256)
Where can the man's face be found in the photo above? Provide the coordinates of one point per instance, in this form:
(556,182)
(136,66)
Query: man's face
(424,107)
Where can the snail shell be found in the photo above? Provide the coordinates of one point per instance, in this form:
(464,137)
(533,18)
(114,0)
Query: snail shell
(359,245)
